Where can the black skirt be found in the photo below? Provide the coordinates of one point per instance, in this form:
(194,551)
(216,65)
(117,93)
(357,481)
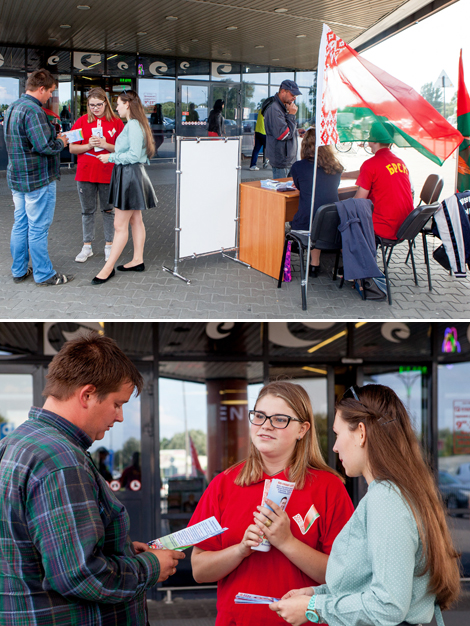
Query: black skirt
(130,188)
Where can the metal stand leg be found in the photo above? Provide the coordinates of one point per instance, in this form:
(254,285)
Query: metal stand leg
(174,272)
(232,258)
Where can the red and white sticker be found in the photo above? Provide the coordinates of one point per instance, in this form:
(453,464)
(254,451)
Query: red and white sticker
(135,485)
(115,485)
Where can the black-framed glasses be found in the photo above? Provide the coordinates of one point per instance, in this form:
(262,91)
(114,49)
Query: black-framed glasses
(257,418)
(96,106)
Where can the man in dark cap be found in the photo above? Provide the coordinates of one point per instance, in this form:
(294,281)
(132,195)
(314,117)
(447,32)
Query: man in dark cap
(385,180)
(281,129)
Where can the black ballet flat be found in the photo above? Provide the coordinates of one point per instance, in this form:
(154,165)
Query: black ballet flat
(134,268)
(100,281)
(313,270)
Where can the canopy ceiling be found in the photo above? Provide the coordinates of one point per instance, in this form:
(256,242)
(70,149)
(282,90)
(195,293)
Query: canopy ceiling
(262,35)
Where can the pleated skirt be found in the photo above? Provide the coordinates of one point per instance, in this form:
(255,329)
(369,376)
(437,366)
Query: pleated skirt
(130,188)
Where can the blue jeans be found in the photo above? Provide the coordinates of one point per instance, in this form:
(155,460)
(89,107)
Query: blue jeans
(34,211)
(260,144)
(281,172)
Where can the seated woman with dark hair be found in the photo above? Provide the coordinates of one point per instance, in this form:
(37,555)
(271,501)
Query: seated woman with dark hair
(329,172)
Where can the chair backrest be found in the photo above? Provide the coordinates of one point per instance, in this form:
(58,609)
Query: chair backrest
(428,189)
(416,220)
(325,233)
(437,192)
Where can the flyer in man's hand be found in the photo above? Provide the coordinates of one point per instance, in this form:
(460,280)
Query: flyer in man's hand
(74,135)
(189,536)
(249,598)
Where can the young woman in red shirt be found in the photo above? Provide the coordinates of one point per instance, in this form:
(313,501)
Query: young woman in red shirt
(100,127)
(284,445)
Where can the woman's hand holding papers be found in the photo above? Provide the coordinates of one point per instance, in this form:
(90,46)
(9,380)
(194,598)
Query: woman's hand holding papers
(293,609)
(278,533)
(252,538)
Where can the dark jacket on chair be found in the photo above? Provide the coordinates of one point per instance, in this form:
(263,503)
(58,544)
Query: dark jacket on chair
(358,239)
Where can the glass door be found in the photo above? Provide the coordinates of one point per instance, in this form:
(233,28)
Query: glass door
(192,109)
(9,92)
(230,93)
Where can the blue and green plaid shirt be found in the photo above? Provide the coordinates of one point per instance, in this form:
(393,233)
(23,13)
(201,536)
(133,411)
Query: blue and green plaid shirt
(32,146)
(65,554)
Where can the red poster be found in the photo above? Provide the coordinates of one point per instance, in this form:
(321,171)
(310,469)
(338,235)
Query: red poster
(461,426)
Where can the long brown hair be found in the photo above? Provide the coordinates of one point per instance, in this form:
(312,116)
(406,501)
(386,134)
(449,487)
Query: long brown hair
(100,94)
(326,157)
(394,455)
(137,113)
(306,455)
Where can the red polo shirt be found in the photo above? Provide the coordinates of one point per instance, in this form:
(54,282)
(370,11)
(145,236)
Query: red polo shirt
(387,179)
(89,168)
(268,573)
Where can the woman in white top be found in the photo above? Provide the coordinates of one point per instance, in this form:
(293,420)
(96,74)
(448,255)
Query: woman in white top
(393,562)
(131,191)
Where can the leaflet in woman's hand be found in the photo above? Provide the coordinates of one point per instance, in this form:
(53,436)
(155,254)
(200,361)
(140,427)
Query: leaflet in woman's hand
(249,598)
(189,536)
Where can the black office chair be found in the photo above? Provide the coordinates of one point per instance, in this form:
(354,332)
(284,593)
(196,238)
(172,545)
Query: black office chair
(325,236)
(408,231)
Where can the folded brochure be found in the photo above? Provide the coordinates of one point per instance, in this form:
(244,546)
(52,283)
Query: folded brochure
(189,536)
(249,598)
(74,135)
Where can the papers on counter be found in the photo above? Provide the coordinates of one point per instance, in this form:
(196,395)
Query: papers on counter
(276,185)
(249,598)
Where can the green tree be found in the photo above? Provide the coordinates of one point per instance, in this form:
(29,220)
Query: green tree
(433,96)
(123,457)
(178,442)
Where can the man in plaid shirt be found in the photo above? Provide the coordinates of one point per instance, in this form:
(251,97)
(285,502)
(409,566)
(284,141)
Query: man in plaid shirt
(33,168)
(65,554)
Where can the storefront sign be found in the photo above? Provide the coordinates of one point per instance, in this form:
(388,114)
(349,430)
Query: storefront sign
(461,430)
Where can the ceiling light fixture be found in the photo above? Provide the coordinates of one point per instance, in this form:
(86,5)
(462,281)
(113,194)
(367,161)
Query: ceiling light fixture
(194,40)
(226,54)
(142,32)
(232,28)
(280,10)
(83,7)
(259,46)
(171,18)
(299,36)
(167,50)
(52,38)
(275,59)
(65,26)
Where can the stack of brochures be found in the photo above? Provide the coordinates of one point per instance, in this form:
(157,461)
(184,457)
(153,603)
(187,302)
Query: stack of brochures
(277,185)
(189,536)
(249,598)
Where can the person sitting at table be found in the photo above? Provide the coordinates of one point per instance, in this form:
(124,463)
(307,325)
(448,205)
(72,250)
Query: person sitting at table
(385,180)
(329,171)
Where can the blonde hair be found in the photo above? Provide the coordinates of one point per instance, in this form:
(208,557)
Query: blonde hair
(395,456)
(307,454)
(326,157)
(99,94)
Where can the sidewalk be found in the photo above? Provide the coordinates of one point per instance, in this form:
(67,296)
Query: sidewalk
(220,288)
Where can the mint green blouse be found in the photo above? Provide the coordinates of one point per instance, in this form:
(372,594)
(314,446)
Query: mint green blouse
(372,575)
(130,145)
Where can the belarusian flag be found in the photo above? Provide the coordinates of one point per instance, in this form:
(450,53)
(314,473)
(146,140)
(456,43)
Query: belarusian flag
(354,93)
(463,124)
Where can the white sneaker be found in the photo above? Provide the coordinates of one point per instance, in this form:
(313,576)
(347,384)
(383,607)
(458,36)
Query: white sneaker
(85,253)
(253,168)
(107,252)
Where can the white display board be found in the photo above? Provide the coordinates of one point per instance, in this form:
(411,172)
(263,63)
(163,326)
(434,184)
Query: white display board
(208,195)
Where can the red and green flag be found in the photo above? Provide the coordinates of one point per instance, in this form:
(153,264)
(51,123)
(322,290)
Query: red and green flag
(353,94)
(463,124)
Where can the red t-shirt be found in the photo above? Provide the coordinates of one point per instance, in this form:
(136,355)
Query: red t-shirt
(89,168)
(387,179)
(268,573)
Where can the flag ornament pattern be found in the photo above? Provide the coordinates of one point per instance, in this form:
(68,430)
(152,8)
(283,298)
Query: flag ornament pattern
(463,124)
(358,94)
(196,469)
(307,522)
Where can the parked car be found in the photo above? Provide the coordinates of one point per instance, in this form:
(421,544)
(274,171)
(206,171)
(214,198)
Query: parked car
(169,123)
(463,473)
(455,494)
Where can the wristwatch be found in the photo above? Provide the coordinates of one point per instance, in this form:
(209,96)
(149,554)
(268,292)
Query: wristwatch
(311,614)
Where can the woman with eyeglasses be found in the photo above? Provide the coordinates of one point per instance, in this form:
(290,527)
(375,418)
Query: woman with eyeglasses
(394,562)
(130,191)
(284,445)
(100,127)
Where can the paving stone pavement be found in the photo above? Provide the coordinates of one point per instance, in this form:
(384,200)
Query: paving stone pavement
(220,289)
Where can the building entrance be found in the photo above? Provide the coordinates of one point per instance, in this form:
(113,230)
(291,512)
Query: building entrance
(112,85)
